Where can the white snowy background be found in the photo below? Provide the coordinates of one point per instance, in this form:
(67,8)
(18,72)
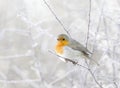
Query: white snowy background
(28,30)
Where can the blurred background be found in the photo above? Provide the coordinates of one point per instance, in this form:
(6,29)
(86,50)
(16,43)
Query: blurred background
(28,30)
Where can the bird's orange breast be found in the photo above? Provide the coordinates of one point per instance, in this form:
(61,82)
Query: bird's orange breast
(59,49)
(60,46)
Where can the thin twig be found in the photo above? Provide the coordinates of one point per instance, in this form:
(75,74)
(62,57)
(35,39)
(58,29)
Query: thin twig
(114,72)
(20,81)
(108,49)
(56,17)
(97,30)
(106,31)
(89,21)
(114,78)
(93,75)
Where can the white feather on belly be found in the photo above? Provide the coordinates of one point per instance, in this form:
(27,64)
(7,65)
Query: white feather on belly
(71,54)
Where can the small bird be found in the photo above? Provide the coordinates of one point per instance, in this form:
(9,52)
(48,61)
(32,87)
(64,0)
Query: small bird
(69,48)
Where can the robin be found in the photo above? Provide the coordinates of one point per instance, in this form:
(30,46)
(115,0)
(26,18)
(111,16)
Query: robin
(69,48)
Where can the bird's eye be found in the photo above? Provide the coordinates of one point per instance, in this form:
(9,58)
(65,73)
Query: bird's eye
(63,39)
(58,39)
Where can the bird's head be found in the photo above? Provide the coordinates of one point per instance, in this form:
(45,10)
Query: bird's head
(63,40)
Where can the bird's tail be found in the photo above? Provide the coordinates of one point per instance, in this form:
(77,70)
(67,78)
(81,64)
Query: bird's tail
(95,57)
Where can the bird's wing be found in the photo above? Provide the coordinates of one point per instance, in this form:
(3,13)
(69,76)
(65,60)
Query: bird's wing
(77,46)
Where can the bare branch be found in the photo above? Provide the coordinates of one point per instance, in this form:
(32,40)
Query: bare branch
(56,17)
(89,21)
